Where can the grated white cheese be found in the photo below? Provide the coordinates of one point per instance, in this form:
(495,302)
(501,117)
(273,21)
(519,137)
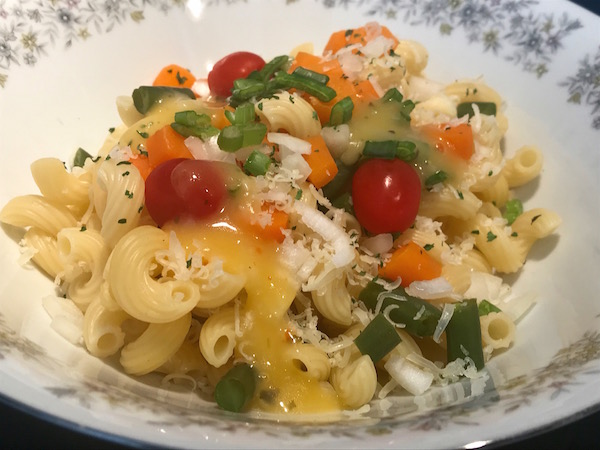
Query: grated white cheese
(445,317)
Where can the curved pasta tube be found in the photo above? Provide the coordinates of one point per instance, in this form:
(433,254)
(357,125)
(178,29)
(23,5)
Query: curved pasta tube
(448,202)
(61,186)
(45,251)
(534,224)
(473,91)
(355,384)
(155,346)
(523,167)
(498,193)
(310,360)
(291,113)
(414,55)
(102,331)
(334,302)
(497,330)
(214,294)
(217,337)
(39,212)
(134,289)
(501,249)
(86,253)
(118,199)
(187,359)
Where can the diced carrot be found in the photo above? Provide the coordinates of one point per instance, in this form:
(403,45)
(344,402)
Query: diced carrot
(176,76)
(344,38)
(322,164)
(411,262)
(272,231)
(218,118)
(452,140)
(143,165)
(165,144)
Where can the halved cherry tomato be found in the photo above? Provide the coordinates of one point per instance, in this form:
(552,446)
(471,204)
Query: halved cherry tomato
(386,195)
(184,189)
(230,68)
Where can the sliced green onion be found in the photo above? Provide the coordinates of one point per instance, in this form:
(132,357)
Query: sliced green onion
(486,307)
(144,97)
(190,123)
(246,88)
(230,138)
(341,112)
(406,108)
(512,209)
(236,388)
(419,317)
(438,176)
(392,95)
(80,156)
(404,150)
(378,338)
(487,108)
(316,76)
(463,334)
(322,92)
(277,63)
(257,163)
(253,133)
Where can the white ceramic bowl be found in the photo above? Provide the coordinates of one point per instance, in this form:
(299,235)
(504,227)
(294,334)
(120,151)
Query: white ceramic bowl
(63,63)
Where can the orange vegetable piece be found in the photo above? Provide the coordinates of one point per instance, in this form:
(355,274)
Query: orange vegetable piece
(143,165)
(175,76)
(344,38)
(454,141)
(411,262)
(218,119)
(272,231)
(321,162)
(165,144)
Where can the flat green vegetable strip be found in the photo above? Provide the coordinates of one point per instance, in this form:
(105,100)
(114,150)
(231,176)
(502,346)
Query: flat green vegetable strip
(236,388)
(486,307)
(322,92)
(463,334)
(315,76)
(378,338)
(466,108)
(80,156)
(420,317)
(144,97)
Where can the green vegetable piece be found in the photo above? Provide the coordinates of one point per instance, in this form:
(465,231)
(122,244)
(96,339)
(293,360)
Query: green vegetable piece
(438,176)
(316,76)
(322,92)
(406,108)
(235,390)
(404,150)
(277,63)
(378,338)
(341,112)
(463,334)
(244,89)
(344,202)
(253,133)
(257,163)
(144,97)
(487,108)
(420,317)
(80,156)
(244,114)
(512,209)
(230,138)
(486,307)
(392,95)
(190,123)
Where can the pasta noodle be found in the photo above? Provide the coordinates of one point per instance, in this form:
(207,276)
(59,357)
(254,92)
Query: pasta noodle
(315,234)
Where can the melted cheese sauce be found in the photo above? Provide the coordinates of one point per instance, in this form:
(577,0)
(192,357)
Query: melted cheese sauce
(283,386)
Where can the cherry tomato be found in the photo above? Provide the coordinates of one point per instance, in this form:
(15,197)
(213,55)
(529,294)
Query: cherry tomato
(230,68)
(184,188)
(386,195)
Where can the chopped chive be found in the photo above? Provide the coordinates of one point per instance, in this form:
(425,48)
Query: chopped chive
(80,156)
(378,338)
(439,176)
(428,247)
(311,74)
(143,134)
(83,228)
(322,92)
(257,163)
(123,163)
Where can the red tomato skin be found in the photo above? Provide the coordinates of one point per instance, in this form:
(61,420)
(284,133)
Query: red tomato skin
(386,194)
(184,189)
(230,68)
(200,185)
(162,202)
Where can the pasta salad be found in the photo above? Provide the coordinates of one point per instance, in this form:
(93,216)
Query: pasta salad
(303,235)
